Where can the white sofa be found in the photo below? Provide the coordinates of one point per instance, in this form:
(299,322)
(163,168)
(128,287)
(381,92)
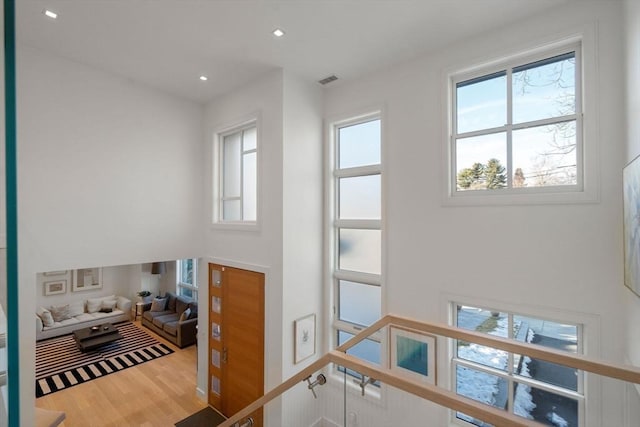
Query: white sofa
(81,314)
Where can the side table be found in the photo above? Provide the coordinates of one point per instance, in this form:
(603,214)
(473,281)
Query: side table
(138,311)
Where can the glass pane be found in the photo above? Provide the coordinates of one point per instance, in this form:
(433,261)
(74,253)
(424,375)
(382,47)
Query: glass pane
(216,278)
(366,350)
(215,331)
(250,139)
(360,250)
(187,271)
(359,145)
(231,210)
(544,406)
(481,162)
(249,186)
(215,384)
(359,303)
(482,387)
(186,292)
(544,89)
(231,166)
(215,358)
(216,304)
(360,197)
(553,335)
(545,155)
(482,103)
(485,321)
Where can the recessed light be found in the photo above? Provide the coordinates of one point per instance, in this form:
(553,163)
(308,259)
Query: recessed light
(50,14)
(278,32)
(204,78)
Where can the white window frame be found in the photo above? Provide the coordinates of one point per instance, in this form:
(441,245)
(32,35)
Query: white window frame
(586,191)
(334,225)
(191,286)
(218,175)
(579,395)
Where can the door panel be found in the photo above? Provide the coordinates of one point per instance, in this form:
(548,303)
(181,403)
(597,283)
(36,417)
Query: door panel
(241,316)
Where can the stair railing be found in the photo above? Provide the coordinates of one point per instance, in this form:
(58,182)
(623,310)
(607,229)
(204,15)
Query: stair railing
(434,393)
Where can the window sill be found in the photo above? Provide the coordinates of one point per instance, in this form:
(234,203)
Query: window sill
(511,198)
(236,226)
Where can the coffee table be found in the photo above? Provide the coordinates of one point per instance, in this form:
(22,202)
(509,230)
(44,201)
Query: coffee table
(96,336)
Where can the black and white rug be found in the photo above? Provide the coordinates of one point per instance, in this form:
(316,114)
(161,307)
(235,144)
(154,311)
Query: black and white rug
(60,364)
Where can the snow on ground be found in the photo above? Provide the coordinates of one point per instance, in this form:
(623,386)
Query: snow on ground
(484,387)
(557,420)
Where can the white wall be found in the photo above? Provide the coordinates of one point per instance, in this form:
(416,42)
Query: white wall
(632,142)
(109,173)
(302,233)
(259,249)
(566,258)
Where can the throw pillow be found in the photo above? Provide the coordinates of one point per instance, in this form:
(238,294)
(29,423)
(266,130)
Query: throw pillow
(185,315)
(60,312)
(93,305)
(158,304)
(76,308)
(194,312)
(110,304)
(45,315)
(106,310)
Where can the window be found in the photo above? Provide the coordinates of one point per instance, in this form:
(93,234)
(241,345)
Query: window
(356,229)
(533,389)
(187,277)
(237,177)
(517,128)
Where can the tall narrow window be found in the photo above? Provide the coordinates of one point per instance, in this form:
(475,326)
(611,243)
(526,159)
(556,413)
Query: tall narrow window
(238,175)
(357,232)
(187,277)
(517,128)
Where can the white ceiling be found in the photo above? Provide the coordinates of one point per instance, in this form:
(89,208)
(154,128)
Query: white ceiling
(168,44)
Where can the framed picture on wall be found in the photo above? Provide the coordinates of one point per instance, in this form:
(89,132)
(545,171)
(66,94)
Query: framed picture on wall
(304,338)
(55,273)
(631,222)
(86,279)
(55,287)
(413,354)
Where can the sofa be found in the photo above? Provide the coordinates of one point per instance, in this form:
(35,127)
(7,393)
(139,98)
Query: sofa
(173,317)
(63,319)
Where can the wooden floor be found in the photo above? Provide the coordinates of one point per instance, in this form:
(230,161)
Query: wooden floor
(153,394)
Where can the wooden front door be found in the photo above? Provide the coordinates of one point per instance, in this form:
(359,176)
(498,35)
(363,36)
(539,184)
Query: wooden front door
(236,339)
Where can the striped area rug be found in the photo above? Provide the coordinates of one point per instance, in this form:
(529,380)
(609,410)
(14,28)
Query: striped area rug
(60,364)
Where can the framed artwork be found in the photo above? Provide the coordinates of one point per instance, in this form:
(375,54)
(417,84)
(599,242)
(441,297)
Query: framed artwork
(631,222)
(86,279)
(55,273)
(55,287)
(413,354)
(304,338)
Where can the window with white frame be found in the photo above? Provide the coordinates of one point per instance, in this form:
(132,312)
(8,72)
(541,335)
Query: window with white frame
(356,228)
(237,175)
(530,388)
(187,277)
(517,127)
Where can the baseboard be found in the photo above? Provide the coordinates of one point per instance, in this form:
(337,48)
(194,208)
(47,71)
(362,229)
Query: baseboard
(323,422)
(201,394)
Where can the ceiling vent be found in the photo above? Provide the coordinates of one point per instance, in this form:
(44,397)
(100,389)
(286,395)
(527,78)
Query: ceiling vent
(328,80)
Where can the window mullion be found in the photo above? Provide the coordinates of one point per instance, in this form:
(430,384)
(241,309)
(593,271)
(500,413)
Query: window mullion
(509,126)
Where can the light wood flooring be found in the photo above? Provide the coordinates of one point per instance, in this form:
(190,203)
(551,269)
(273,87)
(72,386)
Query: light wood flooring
(154,394)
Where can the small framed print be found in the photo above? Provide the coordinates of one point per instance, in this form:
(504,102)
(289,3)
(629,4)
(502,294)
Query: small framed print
(55,287)
(413,354)
(86,279)
(55,273)
(305,338)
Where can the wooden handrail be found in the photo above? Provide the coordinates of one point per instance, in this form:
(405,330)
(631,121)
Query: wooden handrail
(436,394)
